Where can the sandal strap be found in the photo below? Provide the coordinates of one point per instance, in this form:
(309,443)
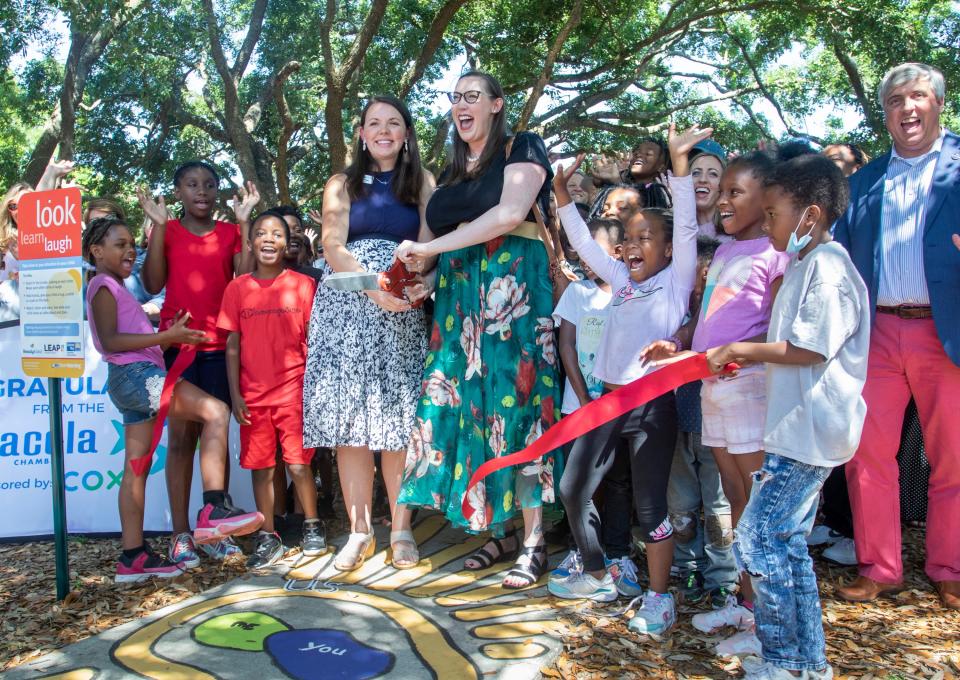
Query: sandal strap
(536,566)
(486,559)
(402,536)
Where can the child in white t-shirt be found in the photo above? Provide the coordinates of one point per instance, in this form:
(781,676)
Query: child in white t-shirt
(816,359)
(580,316)
(652,286)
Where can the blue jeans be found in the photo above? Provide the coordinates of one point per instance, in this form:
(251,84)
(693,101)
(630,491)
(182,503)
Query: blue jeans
(703,546)
(771,546)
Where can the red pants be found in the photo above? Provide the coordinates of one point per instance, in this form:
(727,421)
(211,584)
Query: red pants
(907,357)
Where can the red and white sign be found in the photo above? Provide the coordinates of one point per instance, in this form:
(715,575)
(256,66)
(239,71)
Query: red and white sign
(51,284)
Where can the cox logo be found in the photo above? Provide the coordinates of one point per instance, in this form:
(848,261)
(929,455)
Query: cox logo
(91,480)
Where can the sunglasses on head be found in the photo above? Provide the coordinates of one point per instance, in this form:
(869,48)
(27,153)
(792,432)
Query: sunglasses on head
(470,96)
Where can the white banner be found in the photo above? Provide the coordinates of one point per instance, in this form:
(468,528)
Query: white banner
(93,448)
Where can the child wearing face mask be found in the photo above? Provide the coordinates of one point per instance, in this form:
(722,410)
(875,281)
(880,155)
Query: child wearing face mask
(652,286)
(816,357)
(742,282)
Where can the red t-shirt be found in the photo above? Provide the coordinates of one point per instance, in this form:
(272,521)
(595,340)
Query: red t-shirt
(198,271)
(271,316)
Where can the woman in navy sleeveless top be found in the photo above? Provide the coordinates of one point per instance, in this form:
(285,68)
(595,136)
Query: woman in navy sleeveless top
(365,351)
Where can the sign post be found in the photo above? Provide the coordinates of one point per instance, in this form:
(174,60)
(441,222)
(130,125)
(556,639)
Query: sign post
(51,323)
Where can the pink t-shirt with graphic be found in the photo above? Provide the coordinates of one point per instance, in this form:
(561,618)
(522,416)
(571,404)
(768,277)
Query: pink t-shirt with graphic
(130,319)
(738,296)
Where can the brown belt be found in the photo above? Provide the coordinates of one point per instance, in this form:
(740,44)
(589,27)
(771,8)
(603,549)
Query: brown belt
(908,311)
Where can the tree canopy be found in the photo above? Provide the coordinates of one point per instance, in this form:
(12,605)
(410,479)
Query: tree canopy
(271,89)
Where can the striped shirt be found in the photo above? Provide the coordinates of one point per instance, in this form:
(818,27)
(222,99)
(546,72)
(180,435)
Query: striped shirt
(905,192)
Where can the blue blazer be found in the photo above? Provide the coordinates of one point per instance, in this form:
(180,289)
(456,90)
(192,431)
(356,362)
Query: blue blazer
(858,230)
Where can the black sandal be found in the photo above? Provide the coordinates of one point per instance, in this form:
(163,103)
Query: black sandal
(485,559)
(532,573)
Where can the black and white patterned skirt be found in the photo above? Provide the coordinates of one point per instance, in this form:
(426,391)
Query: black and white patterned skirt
(364,364)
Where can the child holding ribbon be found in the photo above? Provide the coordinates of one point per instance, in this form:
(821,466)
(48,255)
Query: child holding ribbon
(652,287)
(816,358)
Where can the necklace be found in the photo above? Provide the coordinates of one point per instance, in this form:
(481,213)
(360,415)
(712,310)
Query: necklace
(473,159)
(384,182)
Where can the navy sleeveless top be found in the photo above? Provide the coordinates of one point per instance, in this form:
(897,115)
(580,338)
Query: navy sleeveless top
(378,213)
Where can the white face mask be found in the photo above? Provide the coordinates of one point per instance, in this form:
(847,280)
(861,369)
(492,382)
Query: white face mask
(795,245)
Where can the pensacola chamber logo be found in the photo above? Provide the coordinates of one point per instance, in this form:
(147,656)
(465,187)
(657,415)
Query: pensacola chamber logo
(81,423)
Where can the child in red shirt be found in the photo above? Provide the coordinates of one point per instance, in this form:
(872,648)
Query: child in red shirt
(266,314)
(195,257)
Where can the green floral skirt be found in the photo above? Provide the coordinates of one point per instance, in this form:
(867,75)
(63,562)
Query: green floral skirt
(490,385)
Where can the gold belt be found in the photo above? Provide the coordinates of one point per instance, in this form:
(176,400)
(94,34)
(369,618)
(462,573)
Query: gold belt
(526,230)
(529,230)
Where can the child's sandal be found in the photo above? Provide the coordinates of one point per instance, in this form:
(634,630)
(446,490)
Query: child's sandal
(359,547)
(403,557)
(485,559)
(530,572)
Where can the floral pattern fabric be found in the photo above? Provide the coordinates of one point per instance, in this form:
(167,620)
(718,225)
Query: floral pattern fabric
(490,385)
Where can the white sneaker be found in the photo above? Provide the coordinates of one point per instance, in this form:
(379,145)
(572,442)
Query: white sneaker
(821,534)
(656,615)
(740,644)
(570,564)
(581,586)
(825,674)
(731,614)
(842,552)
(758,669)
(624,573)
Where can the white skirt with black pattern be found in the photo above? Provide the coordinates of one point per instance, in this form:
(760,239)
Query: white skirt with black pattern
(364,364)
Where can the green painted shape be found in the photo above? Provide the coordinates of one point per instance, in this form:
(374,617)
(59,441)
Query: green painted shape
(245,631)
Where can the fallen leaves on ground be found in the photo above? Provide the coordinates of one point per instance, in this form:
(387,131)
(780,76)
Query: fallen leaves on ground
(902,638)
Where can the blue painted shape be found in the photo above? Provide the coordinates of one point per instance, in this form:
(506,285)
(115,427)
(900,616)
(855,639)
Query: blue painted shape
(313,653)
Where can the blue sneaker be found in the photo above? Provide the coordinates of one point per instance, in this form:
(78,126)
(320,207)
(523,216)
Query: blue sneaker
(624,573)
(221,550)
(581,586)
(184,550)
(656,615)
(570,564)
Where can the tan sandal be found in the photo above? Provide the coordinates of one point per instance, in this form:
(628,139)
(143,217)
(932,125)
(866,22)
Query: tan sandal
(412,555)
(358,549)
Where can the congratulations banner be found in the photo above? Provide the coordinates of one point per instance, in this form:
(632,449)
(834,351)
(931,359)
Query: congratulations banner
(94,453)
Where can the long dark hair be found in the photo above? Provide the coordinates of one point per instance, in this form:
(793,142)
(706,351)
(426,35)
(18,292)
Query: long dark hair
(457,171)
(408,173)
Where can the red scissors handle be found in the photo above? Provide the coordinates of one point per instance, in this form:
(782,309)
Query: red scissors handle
(397,279)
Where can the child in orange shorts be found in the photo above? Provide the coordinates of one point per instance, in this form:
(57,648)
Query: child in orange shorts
(266,313)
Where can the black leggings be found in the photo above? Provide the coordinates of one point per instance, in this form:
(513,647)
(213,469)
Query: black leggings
(650,431)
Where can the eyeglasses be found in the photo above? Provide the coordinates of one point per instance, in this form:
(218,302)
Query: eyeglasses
(471,96)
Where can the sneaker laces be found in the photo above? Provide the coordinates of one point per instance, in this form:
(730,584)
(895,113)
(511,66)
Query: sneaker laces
(264,544)
(571,562)
(628,568)
(182,542)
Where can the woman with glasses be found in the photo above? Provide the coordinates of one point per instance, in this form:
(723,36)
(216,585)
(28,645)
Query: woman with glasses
(490,384)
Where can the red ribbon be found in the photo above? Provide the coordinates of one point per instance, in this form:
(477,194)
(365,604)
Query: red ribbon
(598,412)
(180,364)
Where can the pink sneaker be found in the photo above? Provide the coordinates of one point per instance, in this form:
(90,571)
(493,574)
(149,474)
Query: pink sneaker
(145,565)
(216,522)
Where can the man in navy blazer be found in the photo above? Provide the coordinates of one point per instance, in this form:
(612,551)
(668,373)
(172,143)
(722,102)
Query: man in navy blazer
(904,210)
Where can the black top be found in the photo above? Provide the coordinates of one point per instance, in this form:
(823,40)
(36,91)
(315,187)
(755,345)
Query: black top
(467,200)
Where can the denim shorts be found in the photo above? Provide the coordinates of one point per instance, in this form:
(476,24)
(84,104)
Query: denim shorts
(208,371)
(135,390)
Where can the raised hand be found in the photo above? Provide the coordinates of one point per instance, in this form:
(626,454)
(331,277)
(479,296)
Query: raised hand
(607,168)
(681,144)
(562,177)
(248,199)
(53,173)
(313,235)
(156,210)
